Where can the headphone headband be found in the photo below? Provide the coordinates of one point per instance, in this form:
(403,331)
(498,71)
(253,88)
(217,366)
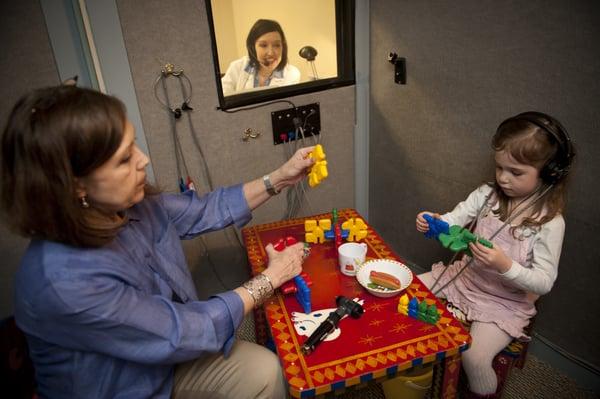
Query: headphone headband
(558,167)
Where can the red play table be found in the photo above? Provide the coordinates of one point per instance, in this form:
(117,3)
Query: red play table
(381,343)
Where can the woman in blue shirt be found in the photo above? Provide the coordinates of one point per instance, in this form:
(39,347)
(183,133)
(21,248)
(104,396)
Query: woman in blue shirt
(103,292)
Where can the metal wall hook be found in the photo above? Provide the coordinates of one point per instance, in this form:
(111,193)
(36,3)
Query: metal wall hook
(186,89)
(250,133)
(176,112)
(399,68)
(169,69)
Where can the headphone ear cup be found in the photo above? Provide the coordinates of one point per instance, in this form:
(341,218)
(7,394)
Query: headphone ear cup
(558,167)
(552,173)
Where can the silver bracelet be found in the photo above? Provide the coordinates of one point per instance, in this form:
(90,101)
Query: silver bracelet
(269,186)
(259,288)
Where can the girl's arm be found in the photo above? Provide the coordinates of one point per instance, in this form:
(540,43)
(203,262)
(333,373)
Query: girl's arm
(462,214)
(540,277)
(467,210)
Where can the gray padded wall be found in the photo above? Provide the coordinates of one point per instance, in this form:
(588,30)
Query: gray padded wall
(470,65)
(156,32)
(26,62)
(177,31)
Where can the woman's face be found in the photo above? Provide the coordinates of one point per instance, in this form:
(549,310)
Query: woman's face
(268,50)
(119,182)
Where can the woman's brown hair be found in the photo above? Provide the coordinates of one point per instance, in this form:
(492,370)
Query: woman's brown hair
(53,137)
(261,27)
(531,144)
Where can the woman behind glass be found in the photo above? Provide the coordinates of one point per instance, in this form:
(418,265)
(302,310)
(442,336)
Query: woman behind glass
(266,64)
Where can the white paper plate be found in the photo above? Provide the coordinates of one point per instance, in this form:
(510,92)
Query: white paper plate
(393,267)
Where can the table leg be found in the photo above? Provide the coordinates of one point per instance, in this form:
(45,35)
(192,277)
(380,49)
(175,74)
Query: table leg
(450,377)
(260,326)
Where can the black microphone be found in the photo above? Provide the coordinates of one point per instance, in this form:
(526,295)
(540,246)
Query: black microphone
(345,306)
(309,53)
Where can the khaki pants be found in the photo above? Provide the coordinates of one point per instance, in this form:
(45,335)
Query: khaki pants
(251,371)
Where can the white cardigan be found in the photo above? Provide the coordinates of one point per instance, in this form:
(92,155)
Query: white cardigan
(237,80)
(538,276)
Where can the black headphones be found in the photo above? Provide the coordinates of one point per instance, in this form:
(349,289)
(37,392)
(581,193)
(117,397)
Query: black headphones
(558,167)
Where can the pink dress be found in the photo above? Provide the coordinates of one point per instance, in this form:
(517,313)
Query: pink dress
(483,294)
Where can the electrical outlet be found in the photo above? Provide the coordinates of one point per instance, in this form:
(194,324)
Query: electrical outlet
(285,122)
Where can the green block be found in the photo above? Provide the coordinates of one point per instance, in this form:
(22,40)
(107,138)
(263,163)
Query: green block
(458,239)
(422,310)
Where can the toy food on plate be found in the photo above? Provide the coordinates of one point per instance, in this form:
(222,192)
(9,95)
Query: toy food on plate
(390,267)
(384,279)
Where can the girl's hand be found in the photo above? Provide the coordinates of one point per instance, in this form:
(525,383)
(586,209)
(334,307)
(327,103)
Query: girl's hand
(284,265)
(422,225)
(494,257)
(294,170)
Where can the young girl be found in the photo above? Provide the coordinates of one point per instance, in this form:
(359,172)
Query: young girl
(521,214)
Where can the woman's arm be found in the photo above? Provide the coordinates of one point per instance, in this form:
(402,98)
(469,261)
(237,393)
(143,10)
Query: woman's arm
(192,215)
(230,80)
(99,313)
(290,173)
(282,266)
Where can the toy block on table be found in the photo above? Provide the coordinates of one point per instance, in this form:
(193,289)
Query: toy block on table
(334,215)
(403,305)
(436,226)
(336,232)
(318,172)
(356,227)
(314,231)
(290,287)
(301,284)
(284,242)
(330,233)
(413,306)
(422,311)
(432,315)
(418,310)
(303,294)
(353,229)
(458,239)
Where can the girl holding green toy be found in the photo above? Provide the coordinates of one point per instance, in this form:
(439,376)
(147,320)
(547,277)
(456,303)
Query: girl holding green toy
(520,213)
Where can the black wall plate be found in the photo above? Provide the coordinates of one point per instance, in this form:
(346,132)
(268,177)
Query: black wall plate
(285,122)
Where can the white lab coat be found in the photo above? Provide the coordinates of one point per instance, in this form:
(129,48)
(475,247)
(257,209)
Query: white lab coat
(237,80)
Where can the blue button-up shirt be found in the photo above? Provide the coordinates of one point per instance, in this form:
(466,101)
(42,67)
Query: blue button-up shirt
(112,322)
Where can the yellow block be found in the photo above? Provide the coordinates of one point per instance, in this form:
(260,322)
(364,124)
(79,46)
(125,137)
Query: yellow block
(313,233)
(318,171)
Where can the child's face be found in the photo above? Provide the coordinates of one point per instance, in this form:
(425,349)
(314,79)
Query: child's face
(516,179)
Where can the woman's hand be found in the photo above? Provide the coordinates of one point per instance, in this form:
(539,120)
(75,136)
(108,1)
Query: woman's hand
(284,265)
(494,257)
(291,172)
(422,225)
(294,170)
